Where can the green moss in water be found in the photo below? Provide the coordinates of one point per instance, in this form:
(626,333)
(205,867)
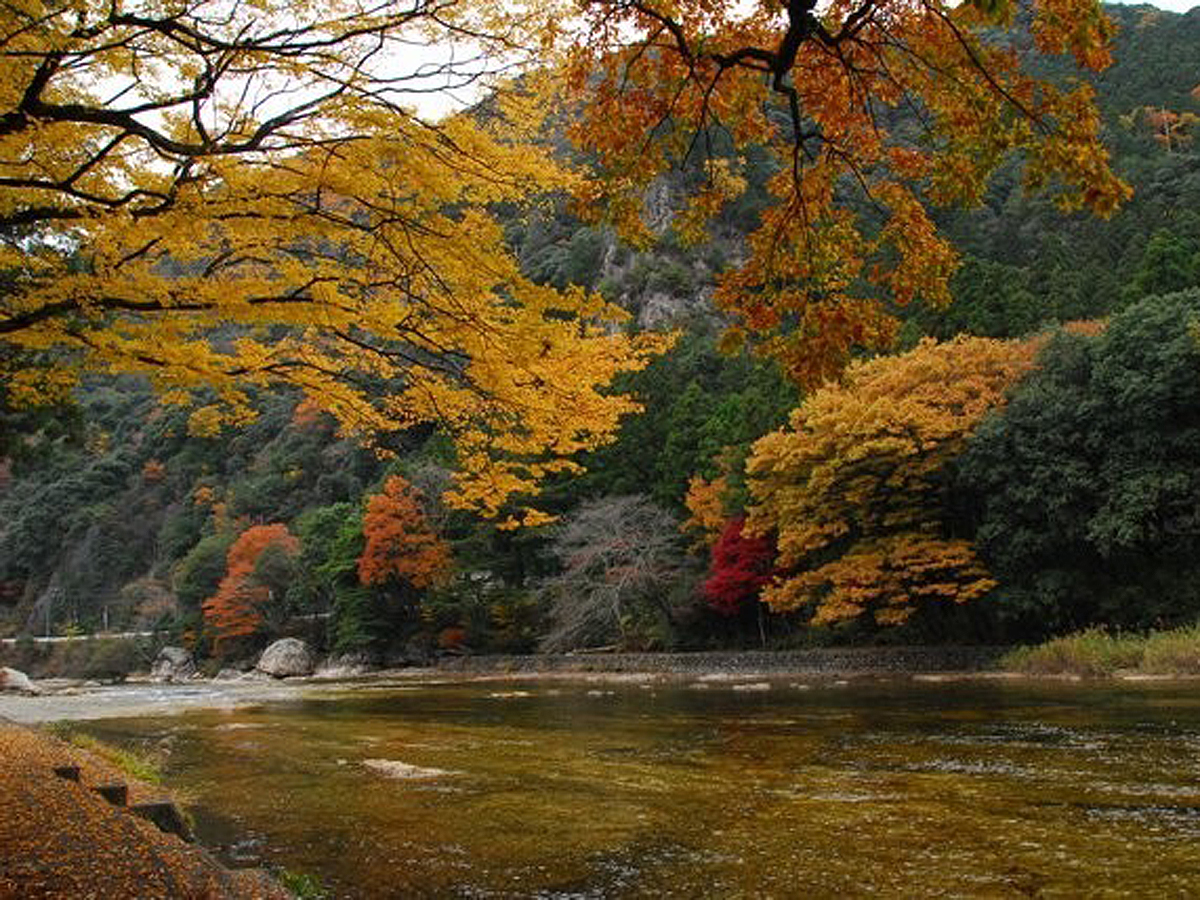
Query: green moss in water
(301,885)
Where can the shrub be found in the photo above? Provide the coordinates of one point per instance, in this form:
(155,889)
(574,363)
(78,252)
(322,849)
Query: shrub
(1090,652)
(1175,652)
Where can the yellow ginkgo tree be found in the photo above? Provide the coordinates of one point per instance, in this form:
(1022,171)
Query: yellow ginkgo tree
(226,196)
(853,487)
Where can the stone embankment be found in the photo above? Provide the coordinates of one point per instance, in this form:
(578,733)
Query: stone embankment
(831,662)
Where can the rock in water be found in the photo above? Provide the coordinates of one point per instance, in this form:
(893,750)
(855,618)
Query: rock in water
(287,657)
(173,664)
(16,682)
(393,768)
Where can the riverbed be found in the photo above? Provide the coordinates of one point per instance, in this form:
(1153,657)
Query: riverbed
(718,787)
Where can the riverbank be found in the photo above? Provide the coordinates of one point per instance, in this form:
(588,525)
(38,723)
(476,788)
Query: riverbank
(61,838)
(71,700)
(840,661)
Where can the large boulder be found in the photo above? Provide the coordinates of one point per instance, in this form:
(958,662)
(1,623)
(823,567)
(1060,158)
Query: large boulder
(173,664)
(15,682)
(287,657)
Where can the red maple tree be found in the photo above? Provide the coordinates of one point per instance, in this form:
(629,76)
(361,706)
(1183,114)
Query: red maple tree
(742,565)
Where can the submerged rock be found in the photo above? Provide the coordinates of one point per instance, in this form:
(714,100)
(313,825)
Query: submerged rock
(286,658)
(393,768)
(16,682)
(173,664)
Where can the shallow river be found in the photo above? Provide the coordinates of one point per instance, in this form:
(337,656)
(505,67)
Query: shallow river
(582,790)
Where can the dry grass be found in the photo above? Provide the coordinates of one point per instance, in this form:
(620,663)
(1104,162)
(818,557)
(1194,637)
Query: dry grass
(1174,652)
(1096,652)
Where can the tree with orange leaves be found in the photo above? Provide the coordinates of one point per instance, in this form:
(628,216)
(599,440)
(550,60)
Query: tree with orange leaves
(257,564)
(853,487)
(872,110)
(400,545)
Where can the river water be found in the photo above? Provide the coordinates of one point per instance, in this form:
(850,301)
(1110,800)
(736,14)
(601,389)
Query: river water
(574,789)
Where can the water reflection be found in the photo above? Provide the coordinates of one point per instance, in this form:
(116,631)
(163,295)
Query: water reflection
(556,790)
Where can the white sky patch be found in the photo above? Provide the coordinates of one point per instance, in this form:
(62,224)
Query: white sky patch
(430,70)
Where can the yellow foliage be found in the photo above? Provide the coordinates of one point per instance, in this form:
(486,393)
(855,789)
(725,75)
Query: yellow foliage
(527,518)
(705,501)
(169,213)
(852,489)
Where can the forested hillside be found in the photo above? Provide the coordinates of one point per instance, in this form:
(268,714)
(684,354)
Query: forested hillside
(1030,475)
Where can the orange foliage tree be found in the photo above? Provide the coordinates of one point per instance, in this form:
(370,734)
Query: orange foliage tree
(400,545)
(237,608)
(853,486)
(661,83)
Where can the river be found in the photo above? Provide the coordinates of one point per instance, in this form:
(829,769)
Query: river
(780,788)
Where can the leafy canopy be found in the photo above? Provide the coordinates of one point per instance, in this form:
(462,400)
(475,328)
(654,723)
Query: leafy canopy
(742,565)
(1085,488)
(873,110)
(400,545)
(233,197)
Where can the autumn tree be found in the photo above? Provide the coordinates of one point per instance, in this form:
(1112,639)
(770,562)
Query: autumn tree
(705,503)
(1171,130)
(854,487)
(400,546)
(620,559)
(169,170)
(742,565)
(256,576)
(873,111)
